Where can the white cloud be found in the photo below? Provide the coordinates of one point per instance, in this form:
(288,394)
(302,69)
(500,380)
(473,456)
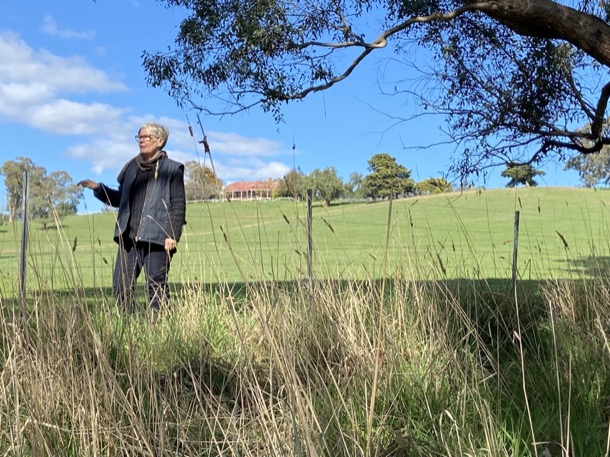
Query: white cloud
(15,96)
(31,83)
(236,144)
(235,157)
(73,118)
(19,63)
(251,169)
(272,170)
(49,26)
(36,88)
(183,157)
(103,154)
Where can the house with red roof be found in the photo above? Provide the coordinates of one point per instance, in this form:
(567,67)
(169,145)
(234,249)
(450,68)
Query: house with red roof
(251,190)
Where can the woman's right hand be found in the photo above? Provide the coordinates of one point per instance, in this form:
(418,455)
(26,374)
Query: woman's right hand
(89,184)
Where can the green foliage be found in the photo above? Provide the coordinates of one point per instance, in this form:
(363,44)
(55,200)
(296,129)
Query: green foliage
(47,193)
(200,182)
(325,184)
(230,44)
(593,169)
(521,174)
(354,188)
(433,186)
(63,194)
(387,178)
(13,172)
(66,209)
(292,185)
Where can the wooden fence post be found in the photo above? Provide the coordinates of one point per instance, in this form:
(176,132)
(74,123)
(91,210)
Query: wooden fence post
(515,251)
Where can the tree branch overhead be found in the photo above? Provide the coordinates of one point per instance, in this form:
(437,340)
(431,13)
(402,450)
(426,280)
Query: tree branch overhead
(516,79)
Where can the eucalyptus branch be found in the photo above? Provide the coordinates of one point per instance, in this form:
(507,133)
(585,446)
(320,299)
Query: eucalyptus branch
(347,28)
(602,104)
(382,39)
(574,146)
(380,42)
(583,104)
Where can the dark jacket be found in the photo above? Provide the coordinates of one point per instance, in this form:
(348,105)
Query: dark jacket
(162,216)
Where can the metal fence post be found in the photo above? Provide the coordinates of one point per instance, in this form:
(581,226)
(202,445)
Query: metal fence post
(309,235)
(24,244)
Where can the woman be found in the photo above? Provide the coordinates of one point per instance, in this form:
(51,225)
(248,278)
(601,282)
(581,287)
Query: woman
(152,207)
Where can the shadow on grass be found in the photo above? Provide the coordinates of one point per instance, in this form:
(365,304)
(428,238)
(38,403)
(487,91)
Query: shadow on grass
(591,266)
(488,303)
(478,298)
(487,318)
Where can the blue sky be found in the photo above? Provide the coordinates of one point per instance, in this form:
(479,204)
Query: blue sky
(73,94)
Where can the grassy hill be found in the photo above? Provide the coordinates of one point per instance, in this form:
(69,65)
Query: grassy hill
(562,231)
(410,342)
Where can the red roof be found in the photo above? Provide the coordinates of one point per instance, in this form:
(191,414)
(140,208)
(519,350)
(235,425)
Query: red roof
(244,186)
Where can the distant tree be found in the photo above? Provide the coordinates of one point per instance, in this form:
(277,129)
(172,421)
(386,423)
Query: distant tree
(64,194)
(387,178)
(40,204)
(325,184)
(521,174)
(433,186)
(13,172)
(592,169)
(55,196)
(54,192)
(200,182)
(354,188)
(291,185)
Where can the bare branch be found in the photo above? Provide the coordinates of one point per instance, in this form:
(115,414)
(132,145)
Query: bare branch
(380,42)
(602,104)
(583,104)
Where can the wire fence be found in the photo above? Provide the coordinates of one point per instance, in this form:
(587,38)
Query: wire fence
(429,238)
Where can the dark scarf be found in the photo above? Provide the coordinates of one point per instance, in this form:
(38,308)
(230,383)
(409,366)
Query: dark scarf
(142,163)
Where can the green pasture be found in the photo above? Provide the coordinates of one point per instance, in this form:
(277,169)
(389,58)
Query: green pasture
(562,232)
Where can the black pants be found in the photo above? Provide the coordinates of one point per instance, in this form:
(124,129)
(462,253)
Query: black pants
(130,260)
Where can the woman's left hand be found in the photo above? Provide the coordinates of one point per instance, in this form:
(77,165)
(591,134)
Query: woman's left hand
(170,244)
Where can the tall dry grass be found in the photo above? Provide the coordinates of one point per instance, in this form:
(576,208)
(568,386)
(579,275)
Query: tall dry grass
(301,369)
(397,366)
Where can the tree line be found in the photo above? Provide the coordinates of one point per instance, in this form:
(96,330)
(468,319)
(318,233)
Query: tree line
(56,195)
(386,179)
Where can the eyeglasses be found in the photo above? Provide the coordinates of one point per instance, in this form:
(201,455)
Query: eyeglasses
(144,137)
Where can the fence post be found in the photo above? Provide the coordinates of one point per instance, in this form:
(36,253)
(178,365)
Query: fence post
(309,235)
(515,249)
(24,243)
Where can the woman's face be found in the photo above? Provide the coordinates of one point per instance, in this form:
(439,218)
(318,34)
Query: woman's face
(148,143)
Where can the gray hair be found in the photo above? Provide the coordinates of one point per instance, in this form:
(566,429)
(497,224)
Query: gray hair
(157,130)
